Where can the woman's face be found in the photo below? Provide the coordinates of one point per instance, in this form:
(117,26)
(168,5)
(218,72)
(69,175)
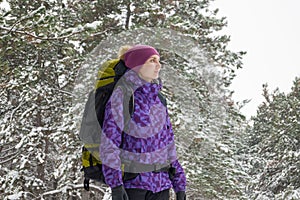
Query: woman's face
(150,70)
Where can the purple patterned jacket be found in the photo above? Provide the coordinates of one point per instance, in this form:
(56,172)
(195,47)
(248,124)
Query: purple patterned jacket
(149,139)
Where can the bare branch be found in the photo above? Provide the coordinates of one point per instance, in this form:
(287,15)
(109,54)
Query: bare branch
(13,112)
(70,187)
(3,85)
(64,92)
(49,38)
(6,156)
(41,38)
(100,33)
(6,150)
(9,159)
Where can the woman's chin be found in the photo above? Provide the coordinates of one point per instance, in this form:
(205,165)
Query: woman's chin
(156,75)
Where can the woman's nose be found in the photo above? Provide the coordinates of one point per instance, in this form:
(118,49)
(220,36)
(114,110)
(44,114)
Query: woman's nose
(158,65)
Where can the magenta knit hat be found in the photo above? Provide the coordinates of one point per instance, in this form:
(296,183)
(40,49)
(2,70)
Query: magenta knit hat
(138,55)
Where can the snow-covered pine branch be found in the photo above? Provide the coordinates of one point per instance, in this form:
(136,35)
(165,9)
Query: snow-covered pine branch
(70,187)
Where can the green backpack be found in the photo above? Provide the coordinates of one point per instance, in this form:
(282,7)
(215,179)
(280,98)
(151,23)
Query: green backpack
(90,131)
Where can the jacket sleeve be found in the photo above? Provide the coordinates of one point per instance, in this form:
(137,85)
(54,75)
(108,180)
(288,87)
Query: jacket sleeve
(179,178)
(111,139)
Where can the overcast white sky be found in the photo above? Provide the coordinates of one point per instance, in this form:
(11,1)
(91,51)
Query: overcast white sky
(269,30)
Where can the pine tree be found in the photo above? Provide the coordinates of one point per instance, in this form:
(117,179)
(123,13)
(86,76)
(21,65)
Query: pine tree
(43,45)
(39,58)
(275,140)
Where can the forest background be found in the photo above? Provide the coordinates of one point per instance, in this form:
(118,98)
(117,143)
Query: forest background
(44,48)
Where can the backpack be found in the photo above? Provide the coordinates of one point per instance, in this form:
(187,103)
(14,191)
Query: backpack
(92,121)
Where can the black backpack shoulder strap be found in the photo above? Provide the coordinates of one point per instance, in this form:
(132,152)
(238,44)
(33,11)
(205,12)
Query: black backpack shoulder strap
(128,101)
(128,104)
(162,99)
(120,68)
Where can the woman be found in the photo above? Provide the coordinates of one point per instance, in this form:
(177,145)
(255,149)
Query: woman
(146,140)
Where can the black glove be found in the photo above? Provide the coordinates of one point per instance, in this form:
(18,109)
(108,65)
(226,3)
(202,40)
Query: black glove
(119,193)
(180,195)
